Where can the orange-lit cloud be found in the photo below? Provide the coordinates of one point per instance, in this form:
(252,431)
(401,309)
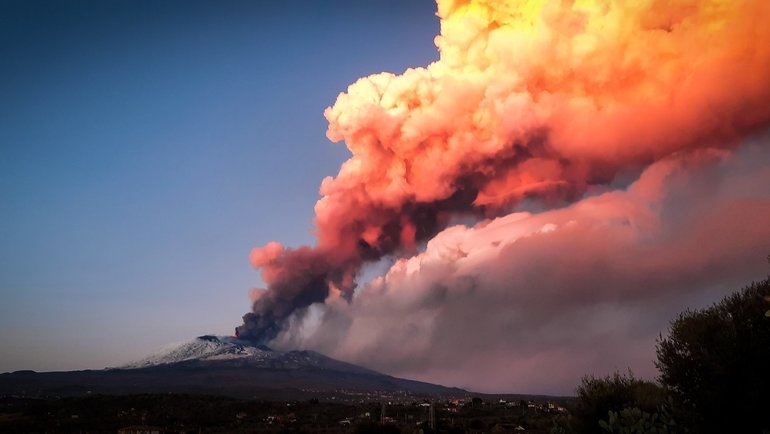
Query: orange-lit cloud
(531,302)
(535,100)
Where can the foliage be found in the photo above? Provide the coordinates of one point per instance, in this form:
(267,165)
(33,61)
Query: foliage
(715,363)
(596,397)
(560,425)
(635,421)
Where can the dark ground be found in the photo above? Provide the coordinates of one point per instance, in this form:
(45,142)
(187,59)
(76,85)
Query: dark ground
(180,413)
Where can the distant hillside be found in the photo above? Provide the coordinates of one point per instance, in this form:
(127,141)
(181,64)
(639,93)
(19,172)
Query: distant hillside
(222,366)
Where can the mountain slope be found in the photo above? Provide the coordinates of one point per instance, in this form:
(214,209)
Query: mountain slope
(221,351)
(223,366)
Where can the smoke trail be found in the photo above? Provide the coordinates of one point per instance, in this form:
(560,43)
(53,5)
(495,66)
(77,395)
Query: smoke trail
(538,99)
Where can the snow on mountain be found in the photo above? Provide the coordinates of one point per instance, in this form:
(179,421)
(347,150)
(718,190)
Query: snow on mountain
(227,350)
(207,348)
(220,365)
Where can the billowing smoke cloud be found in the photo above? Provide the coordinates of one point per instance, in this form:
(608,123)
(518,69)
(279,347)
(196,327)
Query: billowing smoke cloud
(545,100)
(531,302)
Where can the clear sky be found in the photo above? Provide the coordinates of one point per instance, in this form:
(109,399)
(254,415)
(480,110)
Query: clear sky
(146,147)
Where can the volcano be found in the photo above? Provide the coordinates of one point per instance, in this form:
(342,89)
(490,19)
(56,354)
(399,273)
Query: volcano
(223,365)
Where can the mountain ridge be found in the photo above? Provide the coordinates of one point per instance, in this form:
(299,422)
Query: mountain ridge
(226,350)
(223,365)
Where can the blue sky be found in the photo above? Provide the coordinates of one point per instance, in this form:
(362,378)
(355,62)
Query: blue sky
(146,147)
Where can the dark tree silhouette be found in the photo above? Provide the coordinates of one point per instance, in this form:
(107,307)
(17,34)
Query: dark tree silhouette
(597,396)
(716,363)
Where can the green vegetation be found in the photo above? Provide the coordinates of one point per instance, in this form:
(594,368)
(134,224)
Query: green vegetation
(597,398)
(635,421)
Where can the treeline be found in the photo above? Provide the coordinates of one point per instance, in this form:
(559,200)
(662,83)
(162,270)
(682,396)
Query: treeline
(714,377)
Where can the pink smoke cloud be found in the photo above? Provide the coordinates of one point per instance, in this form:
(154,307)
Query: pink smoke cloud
(531,302)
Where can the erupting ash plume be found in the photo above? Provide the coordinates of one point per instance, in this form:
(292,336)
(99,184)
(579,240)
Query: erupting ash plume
(528,100)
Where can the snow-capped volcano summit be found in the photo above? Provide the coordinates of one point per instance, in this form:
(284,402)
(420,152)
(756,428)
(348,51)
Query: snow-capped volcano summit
(221,351)
(206,348)
(221,365)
